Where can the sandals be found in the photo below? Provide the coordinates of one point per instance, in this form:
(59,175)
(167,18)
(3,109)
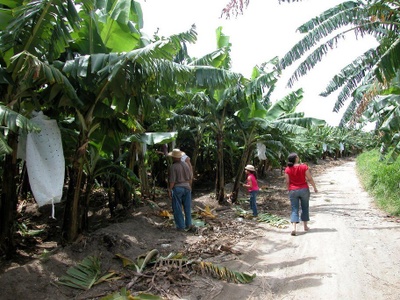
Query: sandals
(293,233)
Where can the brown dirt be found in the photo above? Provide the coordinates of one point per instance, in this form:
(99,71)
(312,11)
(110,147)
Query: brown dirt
(351,251)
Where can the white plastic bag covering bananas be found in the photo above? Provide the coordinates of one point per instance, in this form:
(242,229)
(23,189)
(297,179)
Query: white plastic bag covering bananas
(261,151)
(44,161)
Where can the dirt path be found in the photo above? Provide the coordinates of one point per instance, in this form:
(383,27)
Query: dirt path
(351,251)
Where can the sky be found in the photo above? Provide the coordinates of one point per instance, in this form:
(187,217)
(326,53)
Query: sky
(265,30)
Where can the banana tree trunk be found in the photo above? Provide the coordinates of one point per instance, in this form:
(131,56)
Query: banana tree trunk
(240,172)
(220,180)
(144,180)
(136,149)
(130,164)
(122,194)
(73,219)
(196,150)
(8,200)
(85,214)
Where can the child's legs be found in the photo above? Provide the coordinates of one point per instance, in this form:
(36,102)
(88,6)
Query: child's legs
(253,202)
(294,201)
(304,195)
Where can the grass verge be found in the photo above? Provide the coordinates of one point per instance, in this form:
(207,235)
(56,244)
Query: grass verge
(381,180)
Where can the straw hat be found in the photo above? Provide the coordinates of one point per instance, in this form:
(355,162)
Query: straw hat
(176,153)
(250,168)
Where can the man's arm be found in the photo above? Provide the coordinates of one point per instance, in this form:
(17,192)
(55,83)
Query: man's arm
(171,186)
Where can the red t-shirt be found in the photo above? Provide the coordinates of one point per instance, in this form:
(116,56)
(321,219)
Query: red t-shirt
(254,183)
(297,177)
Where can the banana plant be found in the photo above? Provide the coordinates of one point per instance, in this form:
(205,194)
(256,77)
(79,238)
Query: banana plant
(207,104)
(123,81)
(28,47)
(262,121)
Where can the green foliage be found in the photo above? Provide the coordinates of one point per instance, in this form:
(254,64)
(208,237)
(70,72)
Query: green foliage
(24,231)
(310,145)
(41,28)
(381,180)
(384,110)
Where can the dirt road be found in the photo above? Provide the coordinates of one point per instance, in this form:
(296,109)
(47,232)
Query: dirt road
(352,250)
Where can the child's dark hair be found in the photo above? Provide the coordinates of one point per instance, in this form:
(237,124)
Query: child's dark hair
(291,159)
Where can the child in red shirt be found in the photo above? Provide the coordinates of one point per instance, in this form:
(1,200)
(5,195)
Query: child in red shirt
(252,186)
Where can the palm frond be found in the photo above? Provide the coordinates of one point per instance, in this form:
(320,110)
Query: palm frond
(329,15)
(389,62)
(352,72)
(320,27)
(378,19)
(313,59)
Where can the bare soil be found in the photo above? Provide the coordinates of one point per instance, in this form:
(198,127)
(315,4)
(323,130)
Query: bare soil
(350,252)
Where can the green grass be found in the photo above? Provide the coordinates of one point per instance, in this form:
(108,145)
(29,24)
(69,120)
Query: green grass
(381,180)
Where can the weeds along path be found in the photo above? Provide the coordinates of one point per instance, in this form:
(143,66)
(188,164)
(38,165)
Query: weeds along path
(350,252)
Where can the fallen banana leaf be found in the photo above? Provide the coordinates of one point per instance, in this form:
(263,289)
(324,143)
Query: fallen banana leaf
(141,261)
(224,273)
(123,294)
(273,220)
(144,259)
(177,260)
(86,274)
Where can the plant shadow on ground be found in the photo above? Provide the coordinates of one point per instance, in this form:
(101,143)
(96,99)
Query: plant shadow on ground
(41,261)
